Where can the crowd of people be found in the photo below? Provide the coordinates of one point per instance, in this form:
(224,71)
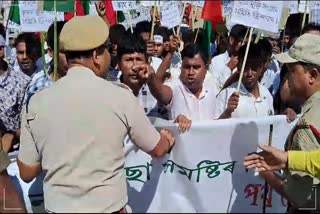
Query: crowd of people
(71,124)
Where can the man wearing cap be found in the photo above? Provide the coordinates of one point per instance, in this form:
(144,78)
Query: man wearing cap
(303,64)
(74,129)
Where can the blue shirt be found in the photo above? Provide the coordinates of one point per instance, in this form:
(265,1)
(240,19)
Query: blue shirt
(40,81)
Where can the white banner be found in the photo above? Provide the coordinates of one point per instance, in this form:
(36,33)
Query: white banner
(264,15)
(203,173)
(32,20)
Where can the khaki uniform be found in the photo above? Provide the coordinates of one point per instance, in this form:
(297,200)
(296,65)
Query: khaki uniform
(75,129)
(298,185)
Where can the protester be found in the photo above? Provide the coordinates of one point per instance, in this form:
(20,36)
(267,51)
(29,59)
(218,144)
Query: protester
(223,65)
(268,74)
(253,99)
(186,98)
(28,50)
(144,30)
(12,88)
(86,131)
(43,79)
(304,84)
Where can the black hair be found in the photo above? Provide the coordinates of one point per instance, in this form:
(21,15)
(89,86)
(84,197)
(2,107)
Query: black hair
(50,34)
(71,55)
(2,31)
(254,59)
(191,50)
(310,27)
(265,49)
(188,37)
(132,43)
(142,27)
(164,32)
(238,32)
(116,32)
(33,44)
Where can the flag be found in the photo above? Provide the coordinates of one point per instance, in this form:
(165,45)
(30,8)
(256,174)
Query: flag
(14,12)
(206,40)
(212,11)
(61,5)
(110,13)
(82,8)
(120,17)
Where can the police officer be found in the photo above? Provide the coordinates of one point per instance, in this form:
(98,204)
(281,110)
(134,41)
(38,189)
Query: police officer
(74,130)
(303,64)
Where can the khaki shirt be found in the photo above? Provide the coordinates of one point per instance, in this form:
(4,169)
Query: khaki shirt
(75,129)
(299,185)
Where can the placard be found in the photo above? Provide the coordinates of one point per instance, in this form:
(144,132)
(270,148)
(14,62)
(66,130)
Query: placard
(292,5)
(227,7)
(140,14)
(32,20)
(124,5)
(264,15)
(170,14)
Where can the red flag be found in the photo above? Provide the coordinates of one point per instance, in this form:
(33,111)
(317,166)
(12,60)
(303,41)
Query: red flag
(187,13)
(212,11)
(78,9)
(110,13)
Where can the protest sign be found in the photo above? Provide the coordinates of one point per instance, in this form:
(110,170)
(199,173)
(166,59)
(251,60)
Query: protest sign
(32,20)
(124,5)
(227,7)
(315,12)
(140,14)
(304,6)
(264,15)
(203,173)
(198,3)
(292,5)
(170,14)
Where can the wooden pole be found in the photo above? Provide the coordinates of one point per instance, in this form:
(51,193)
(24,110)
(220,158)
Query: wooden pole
(153,20)
(130,21)
(304,16)
(43,52)
(266,186)
(244,60)
(196,37)
(179,27)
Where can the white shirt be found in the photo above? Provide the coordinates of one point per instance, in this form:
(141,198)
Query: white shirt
(219,69)
(185,103)
(248,106)
(268,79)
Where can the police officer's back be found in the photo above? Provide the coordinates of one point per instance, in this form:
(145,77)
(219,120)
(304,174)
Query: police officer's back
(74,129)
